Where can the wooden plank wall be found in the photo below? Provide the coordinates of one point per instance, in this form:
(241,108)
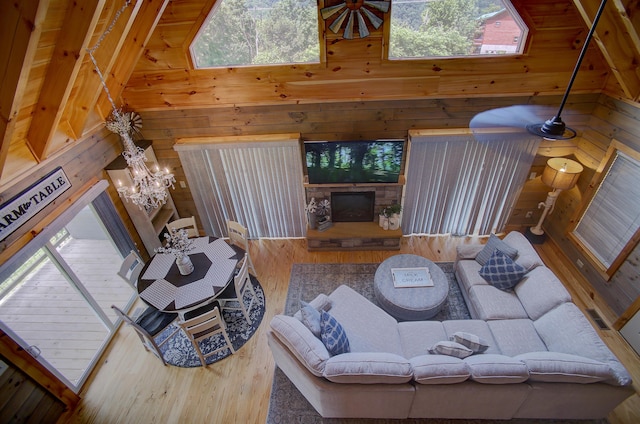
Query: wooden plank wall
(23,400)
(327,121)
(611,119)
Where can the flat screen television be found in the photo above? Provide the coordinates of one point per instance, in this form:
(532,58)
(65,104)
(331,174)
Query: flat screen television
(375,161)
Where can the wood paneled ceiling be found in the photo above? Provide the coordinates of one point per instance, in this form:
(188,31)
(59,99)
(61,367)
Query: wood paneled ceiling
(51,96)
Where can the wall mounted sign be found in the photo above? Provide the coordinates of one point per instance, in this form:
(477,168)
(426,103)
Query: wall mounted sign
(24,206)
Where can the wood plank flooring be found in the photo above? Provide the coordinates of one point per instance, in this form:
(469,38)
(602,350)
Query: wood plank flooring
(130,385)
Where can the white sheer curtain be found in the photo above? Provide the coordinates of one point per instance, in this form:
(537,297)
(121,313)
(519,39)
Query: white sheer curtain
(258,184)
(456,185)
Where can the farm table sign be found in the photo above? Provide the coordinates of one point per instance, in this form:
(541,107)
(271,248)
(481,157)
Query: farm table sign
(24,206)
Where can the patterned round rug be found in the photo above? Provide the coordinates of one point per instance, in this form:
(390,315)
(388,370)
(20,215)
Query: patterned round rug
(180,352)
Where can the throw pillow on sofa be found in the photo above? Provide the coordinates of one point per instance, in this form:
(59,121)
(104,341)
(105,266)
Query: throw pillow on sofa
(451,349)
(493,244)
(310,317)
(501,271)
(333,335)
(475,343)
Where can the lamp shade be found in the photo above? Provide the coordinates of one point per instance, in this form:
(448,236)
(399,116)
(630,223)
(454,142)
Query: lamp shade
(561,173)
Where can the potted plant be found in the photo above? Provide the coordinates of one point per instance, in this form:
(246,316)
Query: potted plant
(393,215)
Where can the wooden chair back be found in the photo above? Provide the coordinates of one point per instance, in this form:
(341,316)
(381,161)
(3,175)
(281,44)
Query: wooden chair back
(203,326)
(188,224)
(130,269)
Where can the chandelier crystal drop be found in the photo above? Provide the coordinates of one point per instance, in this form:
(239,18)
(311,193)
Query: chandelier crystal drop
(149,189)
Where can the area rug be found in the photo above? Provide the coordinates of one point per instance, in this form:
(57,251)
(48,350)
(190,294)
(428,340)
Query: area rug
(288,406)
(180,352)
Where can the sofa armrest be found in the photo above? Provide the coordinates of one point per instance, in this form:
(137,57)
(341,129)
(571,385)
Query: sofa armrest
(468,251)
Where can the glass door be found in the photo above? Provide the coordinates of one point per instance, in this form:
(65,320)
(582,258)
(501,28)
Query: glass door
(56,293)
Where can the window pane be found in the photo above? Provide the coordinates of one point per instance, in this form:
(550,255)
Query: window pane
(250,32)
(449,28)
(613,216)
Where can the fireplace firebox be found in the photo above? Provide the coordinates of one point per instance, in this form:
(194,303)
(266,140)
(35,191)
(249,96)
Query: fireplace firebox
(352,206)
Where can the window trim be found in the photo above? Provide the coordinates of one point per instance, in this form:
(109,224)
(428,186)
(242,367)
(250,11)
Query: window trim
(601,172)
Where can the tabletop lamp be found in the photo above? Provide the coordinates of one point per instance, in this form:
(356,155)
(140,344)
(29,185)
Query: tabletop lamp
(559,174)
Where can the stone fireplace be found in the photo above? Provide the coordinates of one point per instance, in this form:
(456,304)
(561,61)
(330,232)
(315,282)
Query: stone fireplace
(383,196)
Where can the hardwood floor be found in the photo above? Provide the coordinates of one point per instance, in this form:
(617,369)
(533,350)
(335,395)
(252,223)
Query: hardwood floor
(132,386)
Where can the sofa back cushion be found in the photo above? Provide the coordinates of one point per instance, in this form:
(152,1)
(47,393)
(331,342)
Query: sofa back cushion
(369,328)
(540,291)
(527,255)
(306,347)
(368,368)
(565,329)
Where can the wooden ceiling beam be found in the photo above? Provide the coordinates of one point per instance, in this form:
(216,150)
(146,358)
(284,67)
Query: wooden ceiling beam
(88,85)
(79,24)
(145,23)
(20,29)
(618,42)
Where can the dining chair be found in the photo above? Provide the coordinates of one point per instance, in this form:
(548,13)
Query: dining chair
(236,292)
(202,323)
(148,326)
(188,224)
(239,236)
(131,267)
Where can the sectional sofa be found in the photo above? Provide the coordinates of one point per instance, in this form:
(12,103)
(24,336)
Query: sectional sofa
(528,352)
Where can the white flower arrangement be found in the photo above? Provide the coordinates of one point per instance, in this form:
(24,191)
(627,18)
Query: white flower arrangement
(178,243)
(312,207)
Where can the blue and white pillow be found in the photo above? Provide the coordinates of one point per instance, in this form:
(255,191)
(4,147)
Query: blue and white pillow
(333,335)
(501,271)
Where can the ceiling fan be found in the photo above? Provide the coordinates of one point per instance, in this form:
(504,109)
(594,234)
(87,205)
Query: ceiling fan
(527,117)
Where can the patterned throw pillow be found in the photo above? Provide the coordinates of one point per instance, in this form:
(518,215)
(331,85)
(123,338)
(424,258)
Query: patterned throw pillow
(333,335)
(492,244)
(501,271)
(310,317)
(451,349)
(473,342)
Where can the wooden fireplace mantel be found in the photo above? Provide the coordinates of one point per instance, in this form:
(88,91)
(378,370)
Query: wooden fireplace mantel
(354,236)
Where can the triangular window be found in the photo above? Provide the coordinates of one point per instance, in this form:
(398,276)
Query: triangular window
(454,28)
(252,32)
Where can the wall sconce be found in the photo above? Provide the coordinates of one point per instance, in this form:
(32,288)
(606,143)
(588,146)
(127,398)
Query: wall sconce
(559,174)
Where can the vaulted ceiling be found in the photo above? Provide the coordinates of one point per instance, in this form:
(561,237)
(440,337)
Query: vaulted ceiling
(51,97)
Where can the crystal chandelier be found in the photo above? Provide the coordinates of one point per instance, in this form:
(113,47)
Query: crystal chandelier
(149,189)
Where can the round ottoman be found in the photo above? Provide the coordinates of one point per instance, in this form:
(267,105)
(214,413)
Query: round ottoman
(410,303)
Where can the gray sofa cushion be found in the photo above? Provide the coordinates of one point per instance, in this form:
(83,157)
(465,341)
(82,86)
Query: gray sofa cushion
(492,303)
(368,368)
(558,367)
(467,274)
(310,317)
(305,346)
(439,369)
(369,328)
(496,369)
(540,291)
(565,329)
(516,336)
(419,336)
(527,255)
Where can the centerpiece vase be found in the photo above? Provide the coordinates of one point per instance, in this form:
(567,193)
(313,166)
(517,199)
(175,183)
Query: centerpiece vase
(185,266)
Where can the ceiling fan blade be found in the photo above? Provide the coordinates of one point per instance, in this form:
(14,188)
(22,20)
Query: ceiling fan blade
(517,117)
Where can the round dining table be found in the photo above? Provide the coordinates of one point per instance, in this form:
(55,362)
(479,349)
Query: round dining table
(161,285)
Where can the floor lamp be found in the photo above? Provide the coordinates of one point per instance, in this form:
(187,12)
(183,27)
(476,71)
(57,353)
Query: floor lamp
(559,174)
